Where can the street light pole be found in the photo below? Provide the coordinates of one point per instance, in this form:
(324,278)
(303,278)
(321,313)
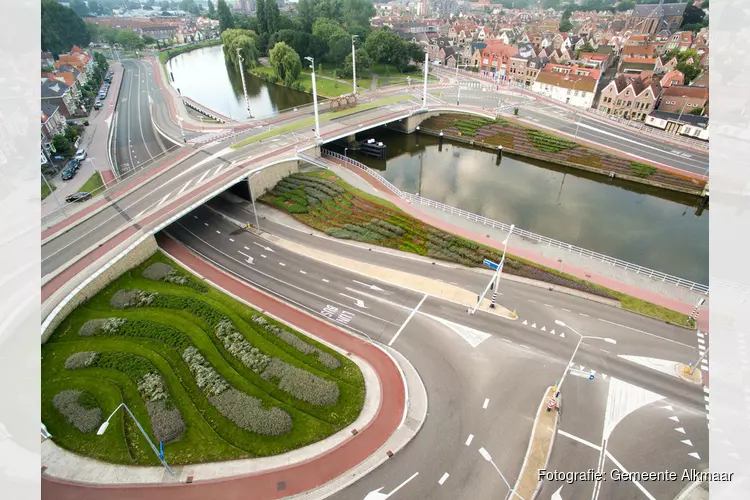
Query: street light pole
(315,98)
(486,455)
(354,65)
(52,192)
(682,110)
(426,69)
(103,429)
(252,199)
(692,368)
(242,75)
(182,131)
(578,345)
(496,276)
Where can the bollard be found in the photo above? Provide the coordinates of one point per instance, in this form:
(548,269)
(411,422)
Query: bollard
(500,151)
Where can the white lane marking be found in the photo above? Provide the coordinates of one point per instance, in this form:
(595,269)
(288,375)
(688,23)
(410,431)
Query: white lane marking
(548,305)
(282,264)
(302,272)
(231,239)
(443,479)
(472,336)
(205,224)
(524,346)
(184,187)
(246,248)
(218,232)
(638,485)
(700,335)
(195,216)
(645,333)
(695,455)
(200,179)
(267,249)
(674,417)
(661,365)
(566,310)
(681,430)
(371,287)
(325,280)
(532,301)
(580,440)
(701,341)
(584,315)
(486,403)
(605,351)
(359,302)
(469,439)
(249,258)
(263,256)
(163,199)
(508,341)
(687,442)
(406,322)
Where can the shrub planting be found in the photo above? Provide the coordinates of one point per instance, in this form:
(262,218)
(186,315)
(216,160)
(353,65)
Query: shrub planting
(80,409)
(248,413)
(299,344)
(205,375)
(81,360)
(240,348)
(641,169)
(125,299)
(302,384)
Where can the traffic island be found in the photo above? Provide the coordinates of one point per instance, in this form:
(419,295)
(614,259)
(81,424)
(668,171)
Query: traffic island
(683,371)
(539,450)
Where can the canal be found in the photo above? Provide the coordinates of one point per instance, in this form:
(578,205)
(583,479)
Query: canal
(659,229)
(203,76)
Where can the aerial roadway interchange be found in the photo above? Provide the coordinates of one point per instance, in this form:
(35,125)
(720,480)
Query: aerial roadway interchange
(484,375)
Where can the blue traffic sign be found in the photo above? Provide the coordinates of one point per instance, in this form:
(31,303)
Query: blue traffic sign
(591,377)
(490,264)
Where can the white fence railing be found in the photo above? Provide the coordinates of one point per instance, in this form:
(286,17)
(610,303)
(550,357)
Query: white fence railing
(528,235)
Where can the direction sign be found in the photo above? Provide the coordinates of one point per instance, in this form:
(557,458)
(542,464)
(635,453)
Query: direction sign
(582,374)
(490,264)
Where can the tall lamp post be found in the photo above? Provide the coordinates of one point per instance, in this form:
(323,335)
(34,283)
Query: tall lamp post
(354,64)
(486,455)
(496,277)
(682,110)
(426,70)
(315,98)
(159,455)
(242,75)
(580,340)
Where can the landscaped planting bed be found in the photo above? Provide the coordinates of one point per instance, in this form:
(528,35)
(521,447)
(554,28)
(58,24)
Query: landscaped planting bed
(207,375)
(546,146)
(372,220)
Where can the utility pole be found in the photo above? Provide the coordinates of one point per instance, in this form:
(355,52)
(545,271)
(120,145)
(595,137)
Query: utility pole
(426,70)
(354,64)
(315,99)
(242,74)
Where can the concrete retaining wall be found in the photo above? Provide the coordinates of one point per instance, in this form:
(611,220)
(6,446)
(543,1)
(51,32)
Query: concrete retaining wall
(118,267)
(267,178)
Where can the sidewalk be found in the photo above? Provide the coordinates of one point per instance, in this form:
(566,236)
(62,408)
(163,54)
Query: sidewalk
(402,409)
(95,141)
(675,298)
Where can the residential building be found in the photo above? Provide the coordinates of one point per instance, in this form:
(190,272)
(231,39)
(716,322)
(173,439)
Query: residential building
(653,18)
(681,40)
(684,124)
(639,51)
(632,65)
(495,59)
(682,99)
(53,122)
(630,98)
(597,60)
(57,93)
(78,58)
(575,90)
(524,71)
(48,60)
(670,78)
(702,80)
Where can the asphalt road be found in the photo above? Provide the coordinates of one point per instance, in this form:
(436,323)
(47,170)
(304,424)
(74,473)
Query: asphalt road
(596,131)
(511,367)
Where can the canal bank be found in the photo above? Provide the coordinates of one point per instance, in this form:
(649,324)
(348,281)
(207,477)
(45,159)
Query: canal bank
(652,227)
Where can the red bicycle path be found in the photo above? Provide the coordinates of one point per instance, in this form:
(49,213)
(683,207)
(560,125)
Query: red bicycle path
(635,291)
(284,481)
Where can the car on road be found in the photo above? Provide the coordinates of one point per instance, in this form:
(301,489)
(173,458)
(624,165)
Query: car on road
(98,104)
(81,154)
(78,197)
(102,95)
(73,164)
(68,174)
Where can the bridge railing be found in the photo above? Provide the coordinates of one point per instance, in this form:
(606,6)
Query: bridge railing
(527,235)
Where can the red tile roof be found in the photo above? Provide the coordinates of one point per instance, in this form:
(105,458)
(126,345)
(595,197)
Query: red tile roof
(583,83)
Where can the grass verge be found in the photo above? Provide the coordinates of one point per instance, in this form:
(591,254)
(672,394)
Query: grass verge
(46,189)
(93,184)
(305,122)
(184,314)
(327,203)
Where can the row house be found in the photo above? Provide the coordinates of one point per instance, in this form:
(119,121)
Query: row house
(576,90)
(685,124)
(634,65)
(681,40)
(630,98)
(525,70)
(436,49)
(643,51)
(573,70)
(77,58)
(53,122)
(557,56)
(600,61)
(57,93)
(674,77)
(495,59)
(69,78)
(683,99)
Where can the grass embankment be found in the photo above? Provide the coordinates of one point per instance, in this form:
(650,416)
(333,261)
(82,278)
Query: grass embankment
(166,55)
(306,122)
(46,189)
(94,184)
(327,203)
(212,378)
(527,141)
(324,86)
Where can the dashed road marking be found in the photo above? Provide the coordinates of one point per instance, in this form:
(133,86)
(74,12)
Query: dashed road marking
(325,280)
(584,315)
(548,305)
(231,239)
(282,264)
(443,479)
(205,224)
(302,272)
(469,439)
(263,256)
(246,248)
(486,403)
(524,346)
(508,341)
(566,310)
(218,232)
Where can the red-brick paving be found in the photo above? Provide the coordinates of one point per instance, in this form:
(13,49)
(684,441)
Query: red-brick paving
(107,176)
(296,478)
(605,281)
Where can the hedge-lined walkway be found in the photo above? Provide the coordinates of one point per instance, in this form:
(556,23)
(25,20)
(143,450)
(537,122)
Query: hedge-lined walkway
(541,145)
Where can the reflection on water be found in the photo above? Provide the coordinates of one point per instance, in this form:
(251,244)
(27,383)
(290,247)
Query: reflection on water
(654,228)
(203,76)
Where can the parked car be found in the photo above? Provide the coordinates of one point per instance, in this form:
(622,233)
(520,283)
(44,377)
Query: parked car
(97,104)
(81,154)
(68,174)
(78,197)
(102,95)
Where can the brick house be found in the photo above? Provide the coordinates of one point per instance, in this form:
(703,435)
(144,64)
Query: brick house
(631,98)
(495,59)
(681,40)
(78,58)
(57,93)
(524,71)
(670,78)
(683,99)
(576,90)
(53,122)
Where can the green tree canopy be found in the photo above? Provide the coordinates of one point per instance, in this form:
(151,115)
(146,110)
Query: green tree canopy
(226,22)
(327,29)
(260,13)
(306,14)
(246,41)
(285,63)
(62,28)
(626,5)
(364,61)
(565,24)
(129,40)
(211,8)
(272,17)
(79,7)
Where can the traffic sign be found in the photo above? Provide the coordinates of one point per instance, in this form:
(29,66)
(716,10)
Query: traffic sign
(582,374)
(490,264)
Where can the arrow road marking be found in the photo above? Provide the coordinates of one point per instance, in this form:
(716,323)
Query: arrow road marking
(267,249)
(557,495)
(562,335)
(249,258)
(359,302)
(533,325)
(687,442)
(694,454)
(680,430)
(674,417)
(371,287)
(377,495)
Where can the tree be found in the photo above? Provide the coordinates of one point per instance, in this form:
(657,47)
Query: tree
(61,28)
(626,5)
(245,40)
(306,15)
(363,62)
(382,46)
(165,5)
(327,29)
(696,111)
(565,24)
(587,47)
(148,40)
(79,7)
(285,63)
(272,17)
(338,47)
(94,7)
(129,40)
(62,145)
(260,12)
(416,52)
(226,22)
(550,4)
(211,9)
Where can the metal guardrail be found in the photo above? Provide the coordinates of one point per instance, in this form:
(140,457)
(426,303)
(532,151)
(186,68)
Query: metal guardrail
(528,235)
